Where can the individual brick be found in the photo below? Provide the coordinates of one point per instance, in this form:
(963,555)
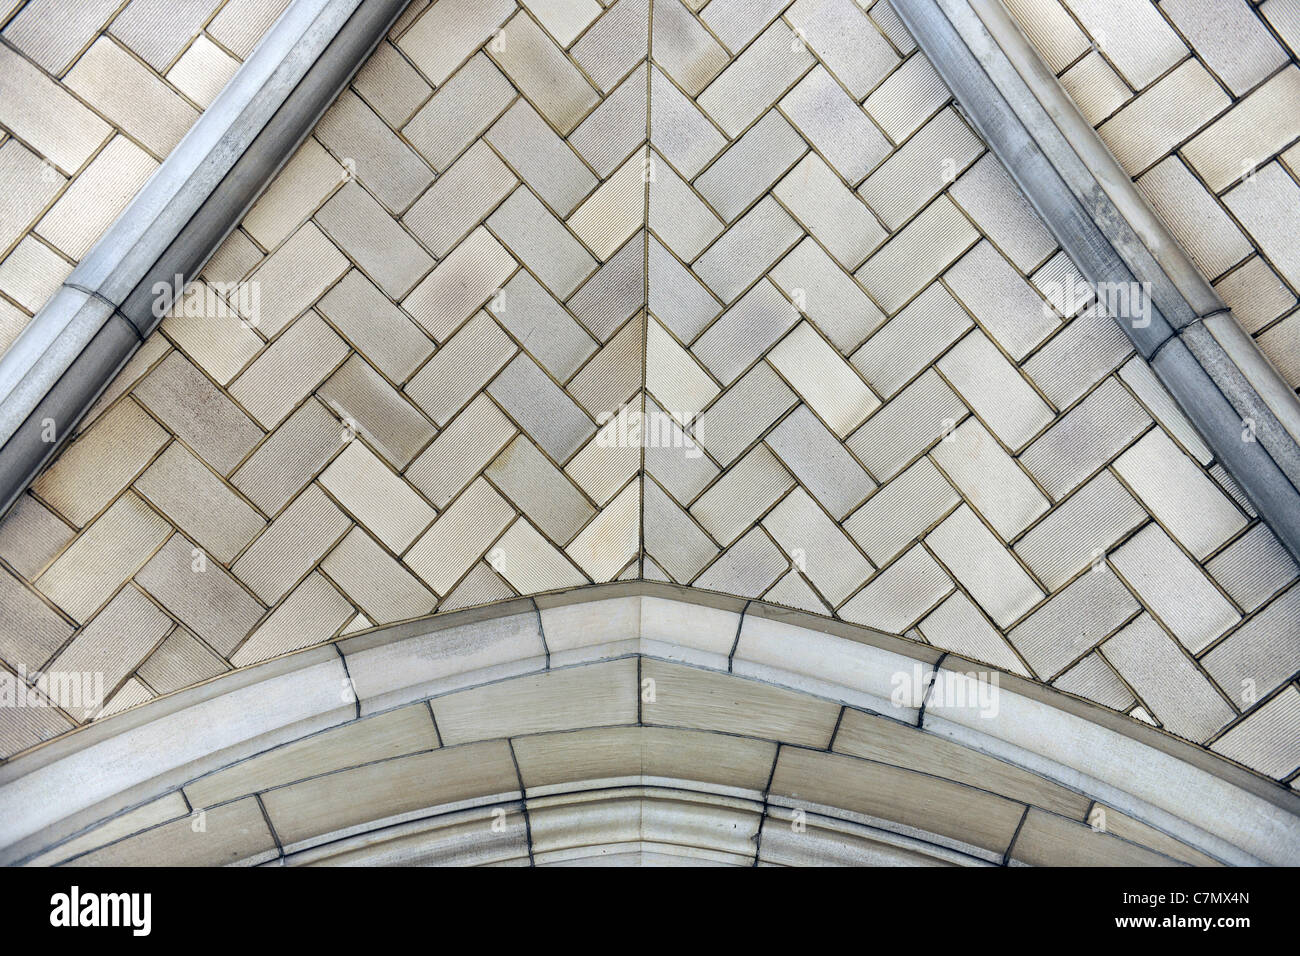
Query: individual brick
(921,169)
(995,203)
(291,544)
(198,413)
(392,171)
(460,368)
(182,660)
(614,212)
(1006,306)
(111,645)
(463,533)
(1249,134)
(957,625)
(827,295)
(449,31)
(911,340)
(543,73)
(983,566)
(907,425)
(32,630)
(614,43)
(1166,680)
(199,503)
(32,273)
(684,49)
(678,216)
(1268,207)
(1095,87)
(312,613)
(30,535)
(823,379)
(1189,505)
(532,564)
(391,424)
(1263,740)
(542,243)
(1133,35)
(989,478)
(212,333)
(820,463)
(678,130)
(375,326)
(912,258)
(672,537)
(1173,588)
(817,546)
(900,594)
(830,212)
(376,497)
(90,471)
(392,87)
(1260,655)
(203,72)
(901,511)
(907,98)
(200,594)
(748,568)
(133,97)
(541,408)
(53,35)
(755,80)
(540,490)
(460,284)
(292,456)
(677,297)
(615,128)
(28,185)
(292,278)
(742,495)
(461,451)
(376,581)
(748,167)
(39,111)
(367,233)
(1080,530)
(1073,621)
(995,390)
(287,371)
(674,376)
(460,198)
(93,200)
(613,374)
(1160,118)
(846,41)
(106,553)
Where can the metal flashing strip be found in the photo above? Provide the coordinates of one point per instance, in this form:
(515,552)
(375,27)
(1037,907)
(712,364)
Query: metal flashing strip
(70,351)
(1237,400)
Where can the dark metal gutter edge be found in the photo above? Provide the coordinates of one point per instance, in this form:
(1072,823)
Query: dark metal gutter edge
(90,327)
(1241,406)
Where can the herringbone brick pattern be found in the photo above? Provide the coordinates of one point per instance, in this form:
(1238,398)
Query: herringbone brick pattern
(93,96)
(1200,102)
(755,312)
